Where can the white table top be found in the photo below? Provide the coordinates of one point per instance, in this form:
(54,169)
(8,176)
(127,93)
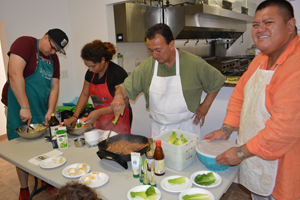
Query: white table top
(19,151)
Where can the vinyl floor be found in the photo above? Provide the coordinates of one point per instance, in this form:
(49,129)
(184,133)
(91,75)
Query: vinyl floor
(9,184)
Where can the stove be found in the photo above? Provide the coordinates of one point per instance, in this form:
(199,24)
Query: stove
(230,66)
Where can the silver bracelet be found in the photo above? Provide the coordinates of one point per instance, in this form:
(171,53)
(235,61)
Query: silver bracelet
(226,131)
(25,107)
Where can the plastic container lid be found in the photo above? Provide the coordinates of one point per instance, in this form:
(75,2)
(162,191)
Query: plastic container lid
(214,148)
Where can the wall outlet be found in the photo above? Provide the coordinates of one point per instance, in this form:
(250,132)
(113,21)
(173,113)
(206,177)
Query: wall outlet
(64,73)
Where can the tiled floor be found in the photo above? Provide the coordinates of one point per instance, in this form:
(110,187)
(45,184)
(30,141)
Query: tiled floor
(9,184)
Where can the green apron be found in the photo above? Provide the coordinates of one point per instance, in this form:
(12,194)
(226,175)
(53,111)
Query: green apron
(38,87)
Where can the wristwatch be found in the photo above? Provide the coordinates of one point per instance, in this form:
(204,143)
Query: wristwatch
(240,154)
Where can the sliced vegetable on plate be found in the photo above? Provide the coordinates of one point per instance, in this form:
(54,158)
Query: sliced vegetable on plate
(205,179)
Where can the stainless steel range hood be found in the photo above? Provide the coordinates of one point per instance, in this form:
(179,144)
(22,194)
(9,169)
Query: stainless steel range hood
(199,21)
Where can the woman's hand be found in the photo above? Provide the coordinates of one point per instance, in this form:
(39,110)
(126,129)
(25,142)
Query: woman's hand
(93,116)
(70,121)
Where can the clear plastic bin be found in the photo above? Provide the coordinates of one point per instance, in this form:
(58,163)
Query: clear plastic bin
(178,157)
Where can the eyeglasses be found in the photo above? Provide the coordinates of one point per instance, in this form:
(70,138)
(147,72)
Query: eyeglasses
(52,47)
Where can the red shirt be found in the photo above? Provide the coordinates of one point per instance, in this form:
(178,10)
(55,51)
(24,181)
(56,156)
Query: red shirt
(25,47)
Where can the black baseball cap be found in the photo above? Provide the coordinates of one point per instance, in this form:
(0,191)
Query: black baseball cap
(59,39)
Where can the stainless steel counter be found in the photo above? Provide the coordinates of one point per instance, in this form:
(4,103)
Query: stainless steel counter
(19,151)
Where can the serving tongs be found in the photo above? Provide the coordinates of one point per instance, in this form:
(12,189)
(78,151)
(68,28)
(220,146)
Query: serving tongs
(114,122)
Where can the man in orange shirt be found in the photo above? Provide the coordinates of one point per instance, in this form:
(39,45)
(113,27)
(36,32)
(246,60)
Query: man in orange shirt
(265,105)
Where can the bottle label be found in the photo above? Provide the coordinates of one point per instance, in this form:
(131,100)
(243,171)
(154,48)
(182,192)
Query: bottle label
(53,130)
(149,162)
(159,166)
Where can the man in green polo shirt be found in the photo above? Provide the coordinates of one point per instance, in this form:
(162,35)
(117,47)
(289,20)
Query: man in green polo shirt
(172,81)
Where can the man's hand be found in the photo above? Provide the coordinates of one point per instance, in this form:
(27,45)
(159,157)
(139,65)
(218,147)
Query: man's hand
(215,135)
(25,115)
(116,105)
(229,157)
(200,114)
(47,118)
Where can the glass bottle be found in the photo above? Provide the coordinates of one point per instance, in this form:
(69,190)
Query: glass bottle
(159,159)
(53,127)
(120,59)
(150,153)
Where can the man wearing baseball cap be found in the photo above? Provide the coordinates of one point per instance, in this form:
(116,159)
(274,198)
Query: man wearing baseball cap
(31,91)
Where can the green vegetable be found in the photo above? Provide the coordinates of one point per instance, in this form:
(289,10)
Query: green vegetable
(172,138)
(176,181)
(148,194)
(196,197)
(205,179)
(177,141)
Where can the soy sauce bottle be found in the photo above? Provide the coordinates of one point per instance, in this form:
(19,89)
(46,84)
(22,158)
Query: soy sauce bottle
(159,159)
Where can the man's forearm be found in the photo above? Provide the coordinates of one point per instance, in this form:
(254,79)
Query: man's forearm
(210,98)
(120,91)
(18,87)
(53,96)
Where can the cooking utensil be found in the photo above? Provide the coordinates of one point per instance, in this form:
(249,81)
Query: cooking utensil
(114,122)
(22,131)
(30,127)
(120,158)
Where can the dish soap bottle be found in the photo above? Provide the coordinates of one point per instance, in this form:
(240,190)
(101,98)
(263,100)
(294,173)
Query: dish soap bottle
(159,159)
(53,127)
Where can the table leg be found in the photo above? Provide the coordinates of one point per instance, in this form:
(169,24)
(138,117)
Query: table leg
(36,191)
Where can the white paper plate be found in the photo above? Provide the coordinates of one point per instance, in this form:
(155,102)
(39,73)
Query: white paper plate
(175,188)
(50,163)
(66,174)
(140,189)
(196,191)
(101,180)
(218,179)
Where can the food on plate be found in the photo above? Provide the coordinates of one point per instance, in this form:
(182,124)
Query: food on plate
(177,141)
(72,171)
(57,160)
(82,171)
(205,179)
(148,194)
(81,165)
(177,181)
(196,197)
(87,179)
(124,147)
(95,175)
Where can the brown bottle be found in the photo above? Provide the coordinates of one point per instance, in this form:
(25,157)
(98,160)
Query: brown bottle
(159,159)
(53,127)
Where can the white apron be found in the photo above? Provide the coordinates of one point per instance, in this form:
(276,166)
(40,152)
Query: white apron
(167,105)
(256,174)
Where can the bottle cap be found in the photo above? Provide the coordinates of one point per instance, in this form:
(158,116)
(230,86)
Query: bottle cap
(52,114)
(158,143)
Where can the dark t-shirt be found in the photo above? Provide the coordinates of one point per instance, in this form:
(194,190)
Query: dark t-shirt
(116,75)
(25,47)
